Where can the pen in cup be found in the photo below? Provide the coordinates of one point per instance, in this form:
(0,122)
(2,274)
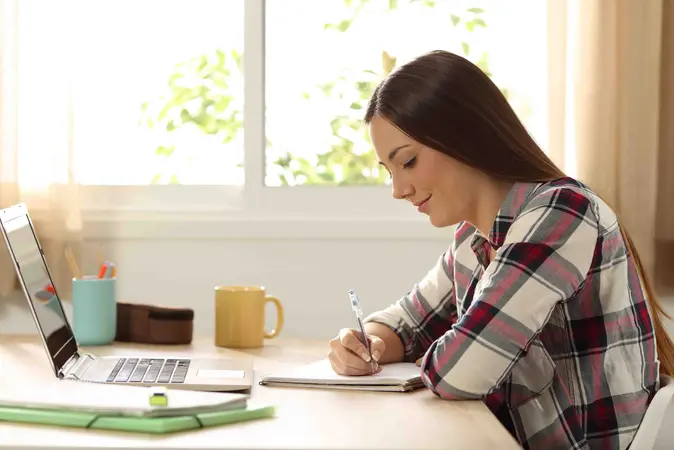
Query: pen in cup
(70,258)
(355,305)
(107,270)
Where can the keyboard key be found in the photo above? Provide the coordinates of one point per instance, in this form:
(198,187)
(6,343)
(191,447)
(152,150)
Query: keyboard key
(166,372)
(126,371)
(115,370)
(178,377)
(120,363)
(138,373)
(181,371)
(153,370)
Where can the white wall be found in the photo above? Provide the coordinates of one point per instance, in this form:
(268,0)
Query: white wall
(309,271)
(310,277)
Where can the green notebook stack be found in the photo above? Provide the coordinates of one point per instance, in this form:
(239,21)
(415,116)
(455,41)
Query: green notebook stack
(156,425)
(125,408)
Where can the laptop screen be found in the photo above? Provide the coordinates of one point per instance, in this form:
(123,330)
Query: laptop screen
(44,301)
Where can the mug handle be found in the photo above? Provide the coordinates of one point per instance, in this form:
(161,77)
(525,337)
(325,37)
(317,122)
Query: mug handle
(279,317)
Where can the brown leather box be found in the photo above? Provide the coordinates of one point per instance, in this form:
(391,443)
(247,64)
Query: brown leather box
(149,324)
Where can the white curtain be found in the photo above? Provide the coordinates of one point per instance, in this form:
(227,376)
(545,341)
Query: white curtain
(610,95)
(36,158)
(664,232)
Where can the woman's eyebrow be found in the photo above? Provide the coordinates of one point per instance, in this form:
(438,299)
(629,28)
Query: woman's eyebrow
(393,152)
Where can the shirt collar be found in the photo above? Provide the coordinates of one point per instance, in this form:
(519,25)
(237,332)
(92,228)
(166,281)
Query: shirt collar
(515,200)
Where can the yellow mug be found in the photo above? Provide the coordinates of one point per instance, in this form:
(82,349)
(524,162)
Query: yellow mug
(240,314)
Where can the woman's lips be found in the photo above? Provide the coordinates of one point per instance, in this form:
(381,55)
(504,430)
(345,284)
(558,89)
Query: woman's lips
(423,206)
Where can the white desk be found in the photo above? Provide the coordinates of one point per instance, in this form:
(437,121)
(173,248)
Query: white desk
(305,419)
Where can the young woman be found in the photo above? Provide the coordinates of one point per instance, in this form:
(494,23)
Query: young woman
(539,307)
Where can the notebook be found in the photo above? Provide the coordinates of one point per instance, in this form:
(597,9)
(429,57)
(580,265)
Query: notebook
(397,377)
(119,400)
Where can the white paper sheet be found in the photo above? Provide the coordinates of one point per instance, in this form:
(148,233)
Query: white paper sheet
(320,372)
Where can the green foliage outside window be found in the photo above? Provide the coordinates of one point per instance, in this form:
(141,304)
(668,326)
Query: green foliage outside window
(205,92)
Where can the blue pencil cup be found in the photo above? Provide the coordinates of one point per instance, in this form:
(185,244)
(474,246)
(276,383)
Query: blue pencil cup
(94,310)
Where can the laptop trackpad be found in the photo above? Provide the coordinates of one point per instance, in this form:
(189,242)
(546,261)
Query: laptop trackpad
(220,373)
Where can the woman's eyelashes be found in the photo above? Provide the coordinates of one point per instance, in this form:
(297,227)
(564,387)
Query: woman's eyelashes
(409,164)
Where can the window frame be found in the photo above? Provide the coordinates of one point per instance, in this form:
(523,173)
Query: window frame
(253,209)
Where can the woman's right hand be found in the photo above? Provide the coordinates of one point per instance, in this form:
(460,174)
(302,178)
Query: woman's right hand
(348,355)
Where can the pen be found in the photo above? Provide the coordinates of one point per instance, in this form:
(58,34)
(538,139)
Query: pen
(70,258)
(355,305)
(102,270)
(108,270)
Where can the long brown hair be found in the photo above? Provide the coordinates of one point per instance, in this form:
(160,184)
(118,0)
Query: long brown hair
(447,103)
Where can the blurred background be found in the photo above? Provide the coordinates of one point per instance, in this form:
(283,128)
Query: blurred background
(209,142)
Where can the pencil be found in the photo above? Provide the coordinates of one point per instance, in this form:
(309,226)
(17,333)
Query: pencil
(74,268)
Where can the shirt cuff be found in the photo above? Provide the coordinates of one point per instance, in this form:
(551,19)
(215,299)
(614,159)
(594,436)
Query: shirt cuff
(401,329)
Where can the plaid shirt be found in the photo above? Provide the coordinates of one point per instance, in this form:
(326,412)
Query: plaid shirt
(554,335)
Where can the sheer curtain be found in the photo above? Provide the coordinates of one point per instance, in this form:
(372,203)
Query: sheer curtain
(611,65)
(664,232)
(35,146)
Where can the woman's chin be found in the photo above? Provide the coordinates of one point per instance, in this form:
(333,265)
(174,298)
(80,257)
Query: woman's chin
(440,222)
(436,222)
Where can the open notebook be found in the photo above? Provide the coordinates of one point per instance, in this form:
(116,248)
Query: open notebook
(399,377)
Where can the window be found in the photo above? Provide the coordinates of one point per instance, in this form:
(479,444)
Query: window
(138,74)
(320,75)
(246,106)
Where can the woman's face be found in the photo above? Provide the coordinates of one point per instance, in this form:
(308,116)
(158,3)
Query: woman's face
(436,184)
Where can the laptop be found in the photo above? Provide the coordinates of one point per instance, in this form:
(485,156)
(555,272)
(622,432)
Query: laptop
(66,359)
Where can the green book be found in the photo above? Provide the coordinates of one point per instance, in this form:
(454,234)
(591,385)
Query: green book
(154,425)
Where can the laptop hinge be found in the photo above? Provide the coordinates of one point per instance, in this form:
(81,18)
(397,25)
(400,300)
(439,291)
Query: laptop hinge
(75,366)
(68,365)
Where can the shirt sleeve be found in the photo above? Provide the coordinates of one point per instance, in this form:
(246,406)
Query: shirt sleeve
(425,313)
(544,259)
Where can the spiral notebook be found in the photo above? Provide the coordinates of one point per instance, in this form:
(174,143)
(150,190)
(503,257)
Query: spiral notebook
(396,377)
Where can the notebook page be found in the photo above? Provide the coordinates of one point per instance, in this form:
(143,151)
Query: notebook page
(321,372)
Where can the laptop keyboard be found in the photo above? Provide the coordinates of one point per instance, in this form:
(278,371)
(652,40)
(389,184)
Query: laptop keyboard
(146,370)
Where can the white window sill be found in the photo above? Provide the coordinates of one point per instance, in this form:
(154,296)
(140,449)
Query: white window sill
(226,212)
(218,227)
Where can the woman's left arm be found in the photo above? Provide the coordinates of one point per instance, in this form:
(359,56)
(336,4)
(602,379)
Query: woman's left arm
(545,257)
